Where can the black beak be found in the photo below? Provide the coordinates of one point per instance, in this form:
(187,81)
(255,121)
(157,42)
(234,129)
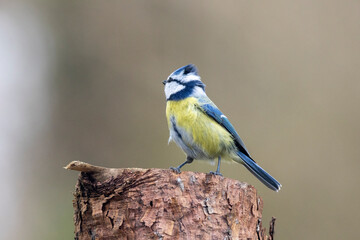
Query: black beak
(164,82)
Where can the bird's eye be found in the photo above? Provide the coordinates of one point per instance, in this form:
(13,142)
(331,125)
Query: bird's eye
(168,81)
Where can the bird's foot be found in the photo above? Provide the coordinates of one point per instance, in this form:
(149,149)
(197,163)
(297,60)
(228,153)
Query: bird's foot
(176,169)
(216,173)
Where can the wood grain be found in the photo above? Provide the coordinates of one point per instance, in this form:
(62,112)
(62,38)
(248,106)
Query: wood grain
(160,204)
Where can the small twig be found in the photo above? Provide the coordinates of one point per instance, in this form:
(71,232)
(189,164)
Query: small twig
(258,229)
(272,228)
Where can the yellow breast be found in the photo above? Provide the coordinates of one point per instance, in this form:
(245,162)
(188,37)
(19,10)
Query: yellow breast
(205,132)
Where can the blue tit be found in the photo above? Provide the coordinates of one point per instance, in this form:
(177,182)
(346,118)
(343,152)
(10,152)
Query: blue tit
(200,129)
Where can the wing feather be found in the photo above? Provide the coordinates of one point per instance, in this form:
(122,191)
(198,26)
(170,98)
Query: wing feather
(212,111)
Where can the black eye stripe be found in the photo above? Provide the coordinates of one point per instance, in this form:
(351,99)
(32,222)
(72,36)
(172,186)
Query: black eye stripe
(189,84)
(174,80)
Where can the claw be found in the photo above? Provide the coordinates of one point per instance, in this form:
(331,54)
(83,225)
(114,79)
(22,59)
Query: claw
(175,169)
(216,173)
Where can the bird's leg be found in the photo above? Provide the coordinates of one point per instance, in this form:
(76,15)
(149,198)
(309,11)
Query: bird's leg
(218,168)
(177,169)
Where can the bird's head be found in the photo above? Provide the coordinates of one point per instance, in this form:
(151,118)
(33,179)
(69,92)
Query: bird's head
(183,83)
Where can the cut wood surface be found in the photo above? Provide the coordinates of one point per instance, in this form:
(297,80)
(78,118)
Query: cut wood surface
(138,203)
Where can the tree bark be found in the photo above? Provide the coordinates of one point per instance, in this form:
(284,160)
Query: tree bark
(138,203)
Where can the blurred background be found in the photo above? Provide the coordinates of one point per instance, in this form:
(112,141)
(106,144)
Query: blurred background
(81,80)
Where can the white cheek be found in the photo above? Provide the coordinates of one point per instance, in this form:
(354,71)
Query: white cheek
(172,88)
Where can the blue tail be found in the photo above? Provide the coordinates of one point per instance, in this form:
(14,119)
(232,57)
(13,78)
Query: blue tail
(260,173)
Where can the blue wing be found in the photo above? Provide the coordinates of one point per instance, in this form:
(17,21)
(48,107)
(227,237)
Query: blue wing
(212,111)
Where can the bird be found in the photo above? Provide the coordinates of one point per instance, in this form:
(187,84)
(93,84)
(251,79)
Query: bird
(201,130)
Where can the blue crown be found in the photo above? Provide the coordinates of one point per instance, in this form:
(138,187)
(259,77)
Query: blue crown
(191,68)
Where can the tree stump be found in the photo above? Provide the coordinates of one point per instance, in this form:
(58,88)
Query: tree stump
(138,203)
